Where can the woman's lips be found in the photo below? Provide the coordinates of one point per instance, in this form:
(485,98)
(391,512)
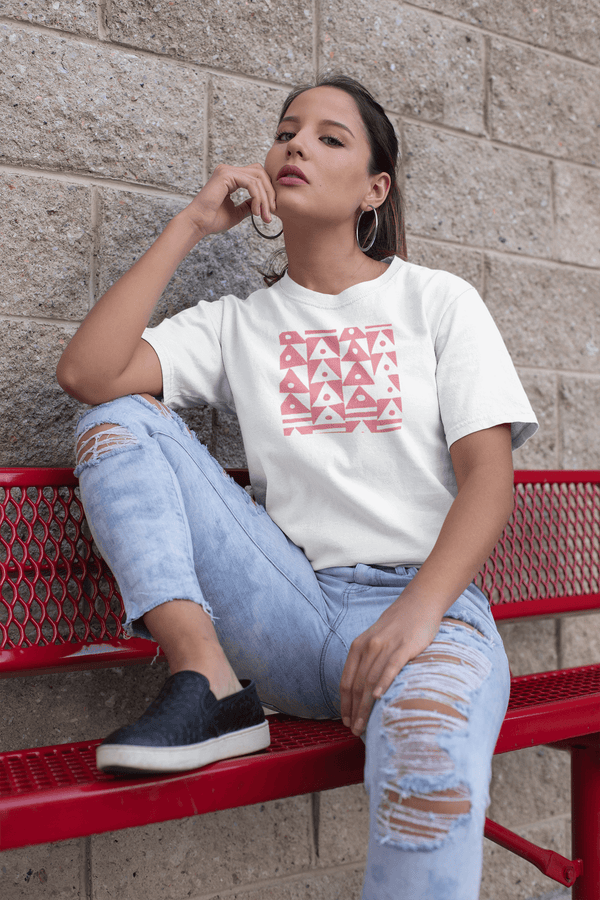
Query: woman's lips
(291,175)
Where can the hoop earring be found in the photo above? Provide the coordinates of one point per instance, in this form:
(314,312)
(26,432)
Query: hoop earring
(372,241)
(268,237)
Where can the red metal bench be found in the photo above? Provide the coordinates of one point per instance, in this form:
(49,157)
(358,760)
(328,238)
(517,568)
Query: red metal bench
(60,610)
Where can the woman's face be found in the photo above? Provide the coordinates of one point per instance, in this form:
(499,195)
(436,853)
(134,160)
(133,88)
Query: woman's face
(319,161)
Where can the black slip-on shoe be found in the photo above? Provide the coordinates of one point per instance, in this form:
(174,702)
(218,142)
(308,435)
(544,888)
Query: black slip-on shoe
(187,727)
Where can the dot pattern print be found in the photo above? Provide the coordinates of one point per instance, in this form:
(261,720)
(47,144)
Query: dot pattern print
(344,382)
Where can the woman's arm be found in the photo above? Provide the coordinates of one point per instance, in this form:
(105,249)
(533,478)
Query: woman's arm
(483,466)
(107,357)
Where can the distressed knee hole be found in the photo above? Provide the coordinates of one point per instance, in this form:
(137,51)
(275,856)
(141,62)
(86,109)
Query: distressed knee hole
(102,439)
(416,807)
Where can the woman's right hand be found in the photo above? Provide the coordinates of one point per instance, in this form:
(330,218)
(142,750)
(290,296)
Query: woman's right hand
(213,211)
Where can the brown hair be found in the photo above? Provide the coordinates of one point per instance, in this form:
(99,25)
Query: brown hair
(390,239)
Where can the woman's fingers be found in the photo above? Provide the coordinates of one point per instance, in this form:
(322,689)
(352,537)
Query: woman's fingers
(213,210)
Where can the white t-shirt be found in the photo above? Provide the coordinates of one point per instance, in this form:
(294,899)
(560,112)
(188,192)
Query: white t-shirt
(348,403)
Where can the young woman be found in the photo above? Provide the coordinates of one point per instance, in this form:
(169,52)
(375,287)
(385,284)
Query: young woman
(377,405)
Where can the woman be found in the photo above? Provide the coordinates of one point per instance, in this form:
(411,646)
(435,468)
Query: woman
(377,404)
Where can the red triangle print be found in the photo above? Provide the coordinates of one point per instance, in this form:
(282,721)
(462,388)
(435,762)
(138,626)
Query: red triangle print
(361,400)
(351,334)
(355,353)
(322,347)
(291,384)
(329,416)
(390,409)
(393,357)
(395,379)
(358,375)
(325,370)
(291,406)
(327,393)
(291,337)
(376,337)
(290,358)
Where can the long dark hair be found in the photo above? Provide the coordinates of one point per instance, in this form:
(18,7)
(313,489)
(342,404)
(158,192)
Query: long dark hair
(390,239)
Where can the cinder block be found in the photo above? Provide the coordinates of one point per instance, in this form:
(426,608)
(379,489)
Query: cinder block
(540,451)
(46,871)
(525,21)
(343,825)
(580,640)
(270,41)
(530,785)
(218,265)
(45,228)
(467,191)
(76,107)
(415,65)
(78,16)
(508,877)
(577,28)
(75,706)
(468,264)
(243,121)
(579,401)
(577,214)
(546,103)
(549,315)
(38,419)
(206,854)
(530,646)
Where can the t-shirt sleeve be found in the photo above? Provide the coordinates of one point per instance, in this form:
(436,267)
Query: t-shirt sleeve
(477,383)
(188,347)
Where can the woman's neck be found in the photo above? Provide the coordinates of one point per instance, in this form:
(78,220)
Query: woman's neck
(327,261)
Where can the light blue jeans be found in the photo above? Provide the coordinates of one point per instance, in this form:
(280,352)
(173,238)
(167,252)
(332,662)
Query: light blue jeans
(171,524)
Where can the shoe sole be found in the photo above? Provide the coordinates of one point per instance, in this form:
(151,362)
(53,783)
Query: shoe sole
(125,759)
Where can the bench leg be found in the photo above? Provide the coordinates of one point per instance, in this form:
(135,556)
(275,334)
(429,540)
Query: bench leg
(585,806)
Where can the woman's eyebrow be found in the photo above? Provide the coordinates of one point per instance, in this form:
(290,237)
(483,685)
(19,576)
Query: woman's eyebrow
(322,122)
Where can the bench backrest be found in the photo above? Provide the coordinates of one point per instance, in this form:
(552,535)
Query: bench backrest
(60,607)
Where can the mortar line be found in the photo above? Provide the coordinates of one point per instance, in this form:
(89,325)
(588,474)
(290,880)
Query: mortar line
(435,14)
(87,872)
(139,52)
(552,209)
(104,11)
(493,142)
(544,261)
(487,90)
(93,180)
(316,36)
(315,822)
(95,248)
(40,320)
(256,886)
(207,120)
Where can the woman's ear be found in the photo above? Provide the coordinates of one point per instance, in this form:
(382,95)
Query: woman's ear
(380,186)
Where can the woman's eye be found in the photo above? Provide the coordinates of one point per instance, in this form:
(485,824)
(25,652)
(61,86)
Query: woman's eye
(332,141)
(283,136)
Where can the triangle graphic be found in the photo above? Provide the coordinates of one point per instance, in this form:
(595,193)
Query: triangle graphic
(290,358)
(329,416)
(329,369)
(291,337)
(361,400)
(355,353)
(390,409)
(395,379)
(351,334)
(291,406)
(358,375)
(291,384)
(326,394)
(375,339)
(321,348)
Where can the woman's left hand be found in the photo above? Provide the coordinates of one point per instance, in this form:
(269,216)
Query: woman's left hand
(376,656)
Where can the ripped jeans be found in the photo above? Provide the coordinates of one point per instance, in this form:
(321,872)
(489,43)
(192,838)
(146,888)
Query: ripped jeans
(171,524)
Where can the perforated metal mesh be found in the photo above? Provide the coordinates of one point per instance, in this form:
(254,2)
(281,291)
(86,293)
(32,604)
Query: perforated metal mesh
(55,767)
(57,589)
(550,547)
(55,586)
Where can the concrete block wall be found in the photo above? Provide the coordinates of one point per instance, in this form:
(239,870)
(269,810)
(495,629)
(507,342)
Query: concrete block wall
(112,114)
